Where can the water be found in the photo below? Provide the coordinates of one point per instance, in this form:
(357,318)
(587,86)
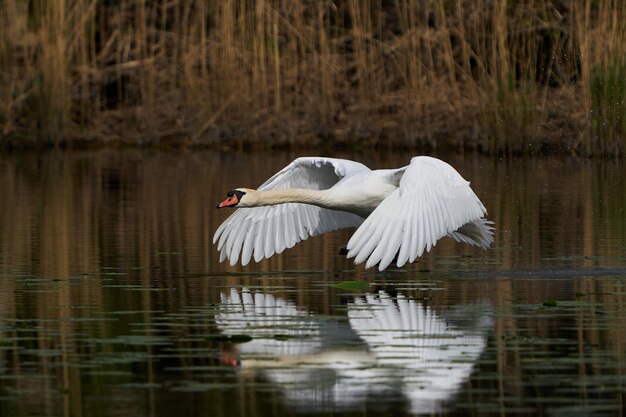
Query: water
(113,303)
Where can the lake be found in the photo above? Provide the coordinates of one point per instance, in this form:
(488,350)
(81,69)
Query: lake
(113,301)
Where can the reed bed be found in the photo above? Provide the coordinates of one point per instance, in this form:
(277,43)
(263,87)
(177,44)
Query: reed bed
(498,77)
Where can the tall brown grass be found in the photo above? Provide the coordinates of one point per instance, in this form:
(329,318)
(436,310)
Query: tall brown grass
(503,77)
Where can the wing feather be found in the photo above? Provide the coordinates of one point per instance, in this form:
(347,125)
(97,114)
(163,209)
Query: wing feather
(237,245)
(405,245)
(248,247)
(432,201)
(269,239)
(259,251)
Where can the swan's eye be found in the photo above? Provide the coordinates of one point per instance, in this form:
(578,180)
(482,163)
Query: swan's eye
(230,194)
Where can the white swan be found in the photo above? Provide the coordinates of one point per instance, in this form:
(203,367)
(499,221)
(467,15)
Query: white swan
(400,213)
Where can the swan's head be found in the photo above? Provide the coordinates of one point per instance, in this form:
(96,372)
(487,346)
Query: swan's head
(234,198)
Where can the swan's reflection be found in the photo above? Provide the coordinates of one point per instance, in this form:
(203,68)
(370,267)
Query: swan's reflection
(279,328)
(388,345)
(428,353)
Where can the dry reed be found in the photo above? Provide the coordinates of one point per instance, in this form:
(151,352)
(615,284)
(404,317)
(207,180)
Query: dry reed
(502,77)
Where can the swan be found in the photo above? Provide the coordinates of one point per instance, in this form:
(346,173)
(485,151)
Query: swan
(399,213)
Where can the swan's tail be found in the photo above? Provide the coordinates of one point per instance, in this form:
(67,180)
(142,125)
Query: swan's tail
(478,232)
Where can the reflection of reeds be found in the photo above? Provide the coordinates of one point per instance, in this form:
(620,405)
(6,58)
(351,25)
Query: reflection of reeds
(505,77)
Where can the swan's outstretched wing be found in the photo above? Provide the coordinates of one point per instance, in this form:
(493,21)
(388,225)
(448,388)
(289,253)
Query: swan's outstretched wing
(264,231)
(432,201)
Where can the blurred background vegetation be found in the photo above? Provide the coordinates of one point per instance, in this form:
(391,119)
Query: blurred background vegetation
(501,77)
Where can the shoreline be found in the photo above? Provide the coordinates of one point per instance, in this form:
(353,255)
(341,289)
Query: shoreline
(557,130)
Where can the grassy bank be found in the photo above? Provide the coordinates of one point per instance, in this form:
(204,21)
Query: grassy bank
(502,77)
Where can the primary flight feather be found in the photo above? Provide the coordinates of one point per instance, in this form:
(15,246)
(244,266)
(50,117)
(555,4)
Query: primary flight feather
(399,213)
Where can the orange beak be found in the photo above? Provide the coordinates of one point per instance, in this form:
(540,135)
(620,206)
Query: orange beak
(229,202)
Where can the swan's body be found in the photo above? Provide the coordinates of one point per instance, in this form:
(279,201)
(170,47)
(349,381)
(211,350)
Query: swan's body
(399,212)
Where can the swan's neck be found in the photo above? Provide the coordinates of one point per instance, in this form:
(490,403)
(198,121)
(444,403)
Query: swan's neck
(322,198)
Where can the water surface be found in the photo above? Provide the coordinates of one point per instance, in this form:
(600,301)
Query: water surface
(113,302)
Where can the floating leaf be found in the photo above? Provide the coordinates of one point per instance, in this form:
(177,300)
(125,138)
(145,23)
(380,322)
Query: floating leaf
(352,285)
(146,385)
(233,338)
(240,338)
(283,337)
